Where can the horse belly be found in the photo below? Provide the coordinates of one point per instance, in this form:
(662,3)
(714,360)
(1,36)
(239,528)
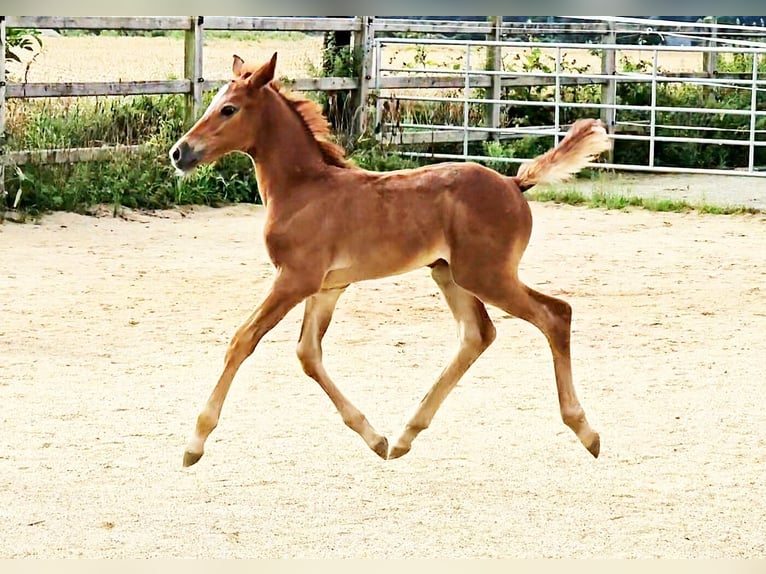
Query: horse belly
(383,261)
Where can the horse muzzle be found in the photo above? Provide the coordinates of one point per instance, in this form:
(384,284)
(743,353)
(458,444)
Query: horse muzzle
(185,158)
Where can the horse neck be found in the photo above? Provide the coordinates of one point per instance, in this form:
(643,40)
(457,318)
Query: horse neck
(285,153)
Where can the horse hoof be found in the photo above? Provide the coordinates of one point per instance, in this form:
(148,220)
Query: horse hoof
(191,458)
(595,446)
(381,448)
(398,451)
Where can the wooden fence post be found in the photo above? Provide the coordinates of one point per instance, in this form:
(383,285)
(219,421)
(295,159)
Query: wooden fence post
(193,40)
(3,80)
(709,59)
(339,105)
(494,63)
(609,88)
(363,59)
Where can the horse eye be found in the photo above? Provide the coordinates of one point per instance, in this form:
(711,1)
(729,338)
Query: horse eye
(228,110)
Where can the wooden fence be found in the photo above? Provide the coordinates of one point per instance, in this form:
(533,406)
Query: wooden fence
(364,30)
(192,86)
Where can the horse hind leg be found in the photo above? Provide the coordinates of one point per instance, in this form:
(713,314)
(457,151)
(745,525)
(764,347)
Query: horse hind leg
(553,317)
(476,333)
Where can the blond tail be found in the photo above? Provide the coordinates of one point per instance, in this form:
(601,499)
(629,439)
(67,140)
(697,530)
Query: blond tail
(584,141)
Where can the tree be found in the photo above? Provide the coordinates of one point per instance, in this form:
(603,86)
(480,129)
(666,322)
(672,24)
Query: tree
(20,39)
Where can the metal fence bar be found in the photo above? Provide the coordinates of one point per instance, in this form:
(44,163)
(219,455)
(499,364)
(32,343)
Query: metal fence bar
(550,131)
(615,166)
(578,45)
(691,110)
(723,78)
(653,113)
(753,102)
(557,96)
(700,80)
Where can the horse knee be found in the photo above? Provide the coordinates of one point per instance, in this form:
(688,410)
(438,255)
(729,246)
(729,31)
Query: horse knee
(241,347)
(478,336)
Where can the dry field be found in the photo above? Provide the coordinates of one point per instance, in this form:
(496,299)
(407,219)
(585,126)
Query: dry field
(114,330)
(96,58)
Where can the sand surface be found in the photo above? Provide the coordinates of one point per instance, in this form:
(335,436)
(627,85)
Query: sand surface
(113,333)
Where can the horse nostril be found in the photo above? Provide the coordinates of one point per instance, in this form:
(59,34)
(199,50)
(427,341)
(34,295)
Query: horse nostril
(176,153)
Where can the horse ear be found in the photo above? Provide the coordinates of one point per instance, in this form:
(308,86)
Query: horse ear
(265,73)
(237,66)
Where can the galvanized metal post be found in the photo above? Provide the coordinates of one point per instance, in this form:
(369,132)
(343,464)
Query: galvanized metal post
(709,59)
(193,41)
(378,49)
(557,98)
(753,109)
(609,89)
(653,112)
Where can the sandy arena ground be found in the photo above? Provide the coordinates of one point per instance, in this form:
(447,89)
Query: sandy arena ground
(114,331)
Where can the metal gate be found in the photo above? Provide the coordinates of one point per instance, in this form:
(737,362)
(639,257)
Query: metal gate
(473,82)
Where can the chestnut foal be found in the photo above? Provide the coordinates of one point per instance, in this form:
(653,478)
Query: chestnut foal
(330,224)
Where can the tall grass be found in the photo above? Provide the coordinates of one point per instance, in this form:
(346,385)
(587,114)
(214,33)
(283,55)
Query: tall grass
(138,180)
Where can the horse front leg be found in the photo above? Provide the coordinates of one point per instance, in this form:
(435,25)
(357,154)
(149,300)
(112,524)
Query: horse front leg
(316,320)
(288,290)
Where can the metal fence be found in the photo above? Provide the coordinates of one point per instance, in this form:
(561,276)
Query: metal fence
(474,86)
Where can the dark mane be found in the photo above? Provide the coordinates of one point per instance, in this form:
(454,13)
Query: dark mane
(316,124)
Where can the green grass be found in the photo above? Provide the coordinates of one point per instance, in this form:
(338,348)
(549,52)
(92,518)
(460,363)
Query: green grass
(84,122)
(139,180)
(610,200)
(568,196)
